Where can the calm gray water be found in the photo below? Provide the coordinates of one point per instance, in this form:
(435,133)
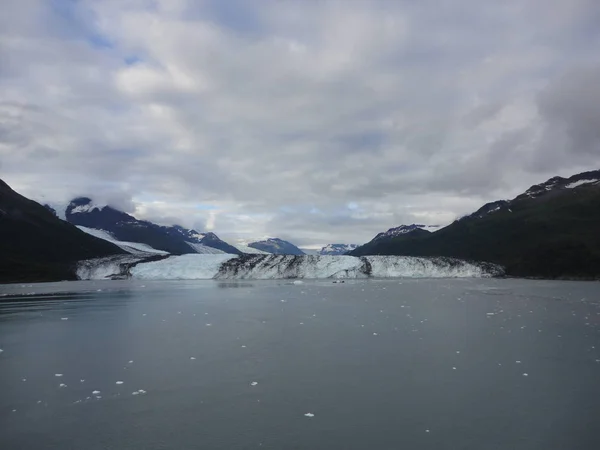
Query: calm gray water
(391,364)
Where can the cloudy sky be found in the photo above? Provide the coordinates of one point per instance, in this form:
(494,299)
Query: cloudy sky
(315,121)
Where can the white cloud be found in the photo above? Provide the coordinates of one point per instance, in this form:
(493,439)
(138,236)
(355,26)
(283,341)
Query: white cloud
(413,111)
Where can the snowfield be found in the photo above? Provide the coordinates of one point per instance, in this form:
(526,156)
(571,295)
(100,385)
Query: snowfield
(135,248)
(266,267)
(205,249)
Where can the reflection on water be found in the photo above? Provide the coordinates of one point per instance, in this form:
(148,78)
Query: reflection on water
(234,284)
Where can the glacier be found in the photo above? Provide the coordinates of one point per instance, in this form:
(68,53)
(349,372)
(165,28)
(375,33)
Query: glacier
(267,267)
(135,248)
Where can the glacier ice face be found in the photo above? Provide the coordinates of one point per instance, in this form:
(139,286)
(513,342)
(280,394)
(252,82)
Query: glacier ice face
(225,266)
(416,267)
(184,267)
(291,266)
(265,267)
(111,267)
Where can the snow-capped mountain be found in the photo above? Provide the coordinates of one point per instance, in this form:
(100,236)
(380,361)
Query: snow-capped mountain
(276,246)
(553,187)
(337,249)
(242,246)
(404,229)
(557,184)
(36,246)
(134,248)
(551,230)
(123,227)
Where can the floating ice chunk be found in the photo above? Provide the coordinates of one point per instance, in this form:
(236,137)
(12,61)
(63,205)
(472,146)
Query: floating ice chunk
(309,415)
(426,431)
(81,381)
(95,392)
(298,282)
(254,383)
(454,368)
(209,324)
(1,350)
(119,382)
(141,391)
(301,323)
(64,318)
(24,379)
(58,374)
(525,375)
(518,362)
(144,315)
(130,362)
(457,352)
(192,357)
(135,393)
(38,402)
(62,385)
(490,314)
(374,334)
(243,346)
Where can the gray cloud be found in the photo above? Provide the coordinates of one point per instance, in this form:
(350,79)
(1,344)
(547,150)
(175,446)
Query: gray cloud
(246,120)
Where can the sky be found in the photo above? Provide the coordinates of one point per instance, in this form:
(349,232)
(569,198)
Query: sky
(311,120)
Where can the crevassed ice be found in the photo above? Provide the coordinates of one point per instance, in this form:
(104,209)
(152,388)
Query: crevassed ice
(184,267)
(197,267)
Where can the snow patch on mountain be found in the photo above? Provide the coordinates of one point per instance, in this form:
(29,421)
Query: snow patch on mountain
(135,248)
(337,249)
(276,246)
(86,208)
(244,248)
(582,182)
(205,249)
(404,229)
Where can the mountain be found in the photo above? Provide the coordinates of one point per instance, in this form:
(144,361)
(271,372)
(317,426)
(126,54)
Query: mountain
(404,229)
(242,246)
(37,246)
(121,226)
(337,249)
(276,246)
(550,231)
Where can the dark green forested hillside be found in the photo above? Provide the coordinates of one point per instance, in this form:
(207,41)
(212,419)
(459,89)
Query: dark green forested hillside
(37,246)
(550,231)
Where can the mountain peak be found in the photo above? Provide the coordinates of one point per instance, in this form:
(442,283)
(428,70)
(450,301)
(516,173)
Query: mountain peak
(403,229)
(337,249)
(276,246)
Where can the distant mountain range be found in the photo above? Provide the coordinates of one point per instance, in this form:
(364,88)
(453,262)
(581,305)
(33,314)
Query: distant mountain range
(177,240)
(276,246)
(337,249)
(551,230)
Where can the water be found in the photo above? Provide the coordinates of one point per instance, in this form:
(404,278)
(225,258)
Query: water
(390,364)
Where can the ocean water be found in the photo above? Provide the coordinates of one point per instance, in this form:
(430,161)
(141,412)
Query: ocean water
(365,364)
